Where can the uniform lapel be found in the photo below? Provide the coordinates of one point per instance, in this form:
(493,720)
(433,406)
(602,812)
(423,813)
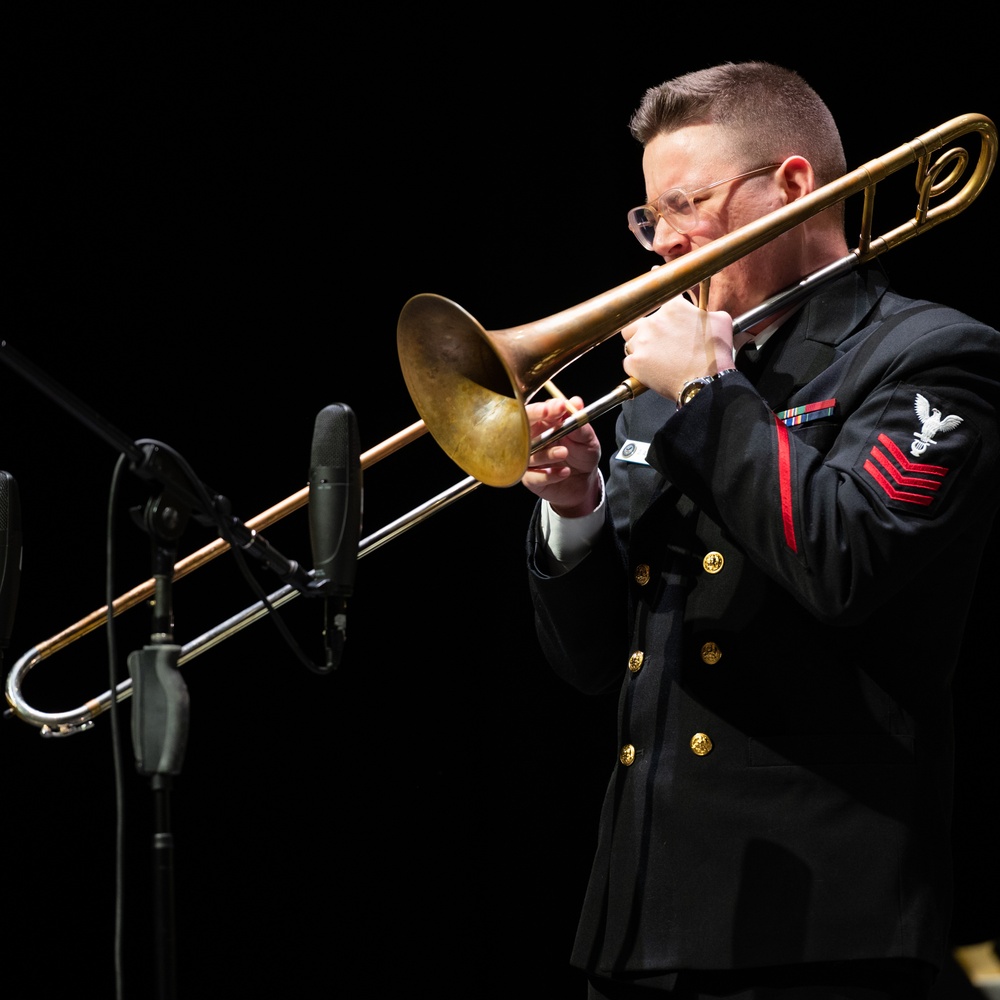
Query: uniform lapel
(811,339)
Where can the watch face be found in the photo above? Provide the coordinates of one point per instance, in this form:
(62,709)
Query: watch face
(691,389)
(690,392)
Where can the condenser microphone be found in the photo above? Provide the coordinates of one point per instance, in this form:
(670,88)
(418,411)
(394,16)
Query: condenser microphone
(10,555)
(335,502)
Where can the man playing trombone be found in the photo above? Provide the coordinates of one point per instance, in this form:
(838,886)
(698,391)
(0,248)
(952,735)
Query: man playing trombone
(776,572)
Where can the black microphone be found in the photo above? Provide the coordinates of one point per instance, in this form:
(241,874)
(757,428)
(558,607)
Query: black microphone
(335,501)
(10,555)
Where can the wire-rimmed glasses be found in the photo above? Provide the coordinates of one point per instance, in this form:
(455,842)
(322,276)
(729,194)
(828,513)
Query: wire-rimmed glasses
(678,208)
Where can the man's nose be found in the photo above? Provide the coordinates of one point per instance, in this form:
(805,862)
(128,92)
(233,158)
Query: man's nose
(667,241)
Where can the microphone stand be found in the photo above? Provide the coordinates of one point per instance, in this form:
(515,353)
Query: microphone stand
(160,724)
(160,696)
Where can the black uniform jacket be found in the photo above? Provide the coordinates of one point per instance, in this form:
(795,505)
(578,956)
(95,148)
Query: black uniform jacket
(780,590)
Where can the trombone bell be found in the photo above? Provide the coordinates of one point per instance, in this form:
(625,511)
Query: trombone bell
(469,384)
(466,391)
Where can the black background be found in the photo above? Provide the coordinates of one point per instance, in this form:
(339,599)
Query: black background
(212,225)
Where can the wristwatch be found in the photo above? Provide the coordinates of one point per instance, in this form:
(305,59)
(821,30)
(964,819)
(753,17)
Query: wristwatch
(693,386)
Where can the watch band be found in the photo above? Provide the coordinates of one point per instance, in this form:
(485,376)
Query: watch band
(693,386)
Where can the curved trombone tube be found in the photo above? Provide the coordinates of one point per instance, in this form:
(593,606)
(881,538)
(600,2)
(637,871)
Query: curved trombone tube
(469,385)
(527,357)
(78,719)
(65,723)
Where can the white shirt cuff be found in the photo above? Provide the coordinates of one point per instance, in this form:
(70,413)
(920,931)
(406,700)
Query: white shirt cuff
(569,539)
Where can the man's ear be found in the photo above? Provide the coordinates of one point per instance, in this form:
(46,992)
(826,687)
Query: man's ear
(796,178)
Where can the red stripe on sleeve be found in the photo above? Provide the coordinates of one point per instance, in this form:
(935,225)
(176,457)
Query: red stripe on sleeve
(785,485)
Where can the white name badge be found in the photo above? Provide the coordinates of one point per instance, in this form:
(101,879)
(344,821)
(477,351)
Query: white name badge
(633,451)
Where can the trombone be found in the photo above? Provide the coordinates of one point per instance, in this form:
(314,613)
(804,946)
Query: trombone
(470,385)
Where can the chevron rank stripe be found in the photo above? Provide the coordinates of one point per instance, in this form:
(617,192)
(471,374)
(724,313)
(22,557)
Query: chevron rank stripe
(901,479)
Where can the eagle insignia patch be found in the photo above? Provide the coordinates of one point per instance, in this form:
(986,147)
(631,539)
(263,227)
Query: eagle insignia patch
(931,424)
(895,461)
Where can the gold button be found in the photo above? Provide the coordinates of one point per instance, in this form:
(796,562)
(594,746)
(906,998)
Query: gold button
(710,653)
(701,744)
(627,754)
(642,574)
(712,562)
(635,661)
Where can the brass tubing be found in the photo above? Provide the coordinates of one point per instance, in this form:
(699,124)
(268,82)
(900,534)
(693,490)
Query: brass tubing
(470,385)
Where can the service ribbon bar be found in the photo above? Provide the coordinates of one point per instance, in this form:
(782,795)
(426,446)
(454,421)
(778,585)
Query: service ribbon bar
(807,412)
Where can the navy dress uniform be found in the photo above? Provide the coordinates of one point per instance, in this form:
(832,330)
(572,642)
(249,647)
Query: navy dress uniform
(779,590)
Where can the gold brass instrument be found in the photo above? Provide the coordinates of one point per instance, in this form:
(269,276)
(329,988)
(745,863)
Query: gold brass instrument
(470,385)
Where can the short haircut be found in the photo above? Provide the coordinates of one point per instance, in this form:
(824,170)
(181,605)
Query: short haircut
(770,112)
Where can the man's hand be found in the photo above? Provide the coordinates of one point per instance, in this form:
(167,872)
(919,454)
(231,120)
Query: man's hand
(676,343)
(565,473)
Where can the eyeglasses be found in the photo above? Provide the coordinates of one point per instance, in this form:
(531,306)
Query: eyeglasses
(678,208)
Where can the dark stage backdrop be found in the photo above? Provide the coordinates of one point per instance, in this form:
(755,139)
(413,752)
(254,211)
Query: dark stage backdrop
(211,230)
